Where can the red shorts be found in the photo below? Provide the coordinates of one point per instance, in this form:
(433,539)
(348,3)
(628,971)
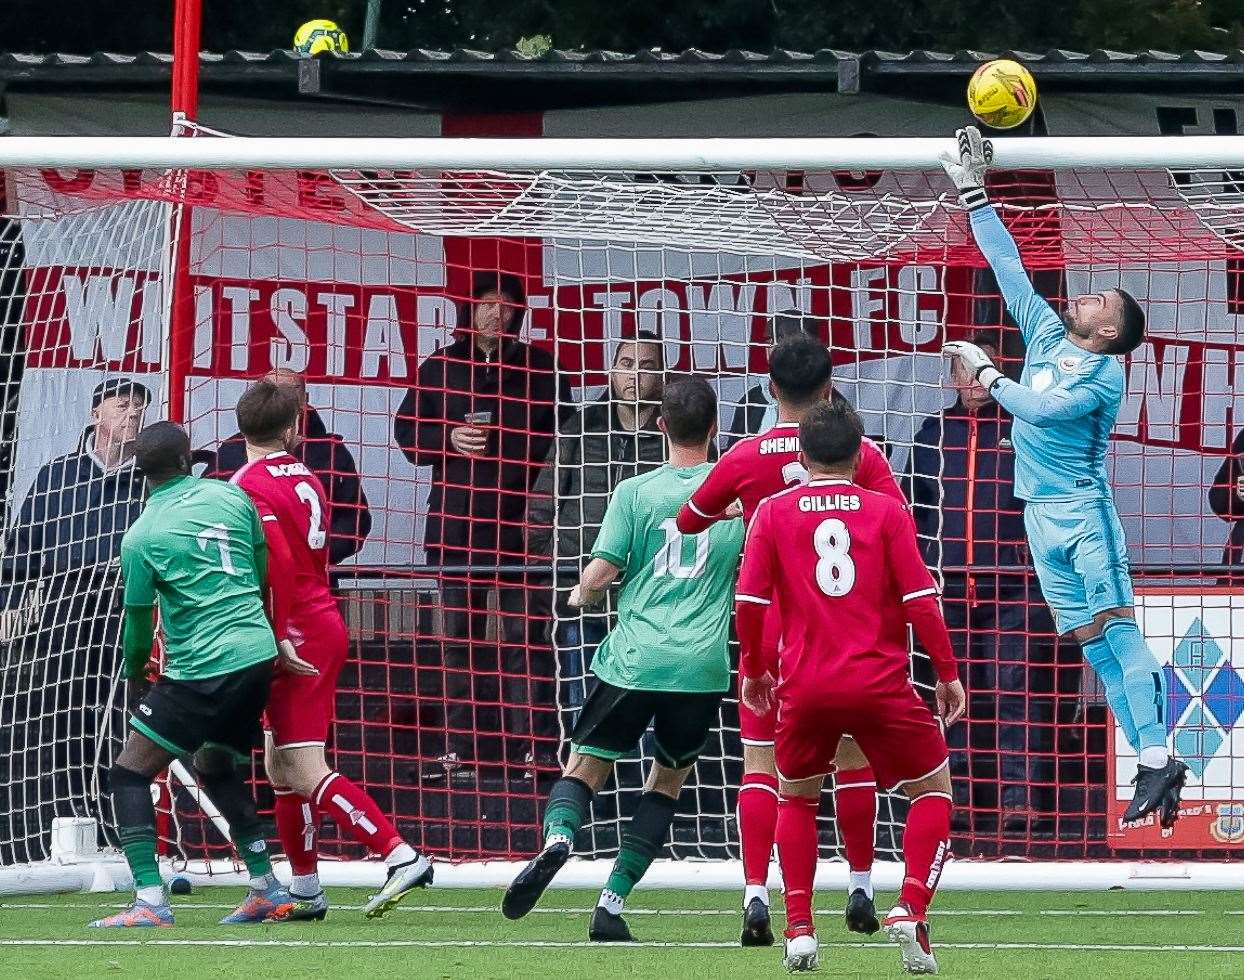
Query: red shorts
(754,729)
(896,730)
(300,708)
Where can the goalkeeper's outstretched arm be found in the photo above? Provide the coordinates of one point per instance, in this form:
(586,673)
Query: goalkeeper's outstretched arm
(1074,398)
(1044,408)
(1029,310)
(1027,307)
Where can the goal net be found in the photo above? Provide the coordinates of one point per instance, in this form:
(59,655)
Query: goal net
(547,306)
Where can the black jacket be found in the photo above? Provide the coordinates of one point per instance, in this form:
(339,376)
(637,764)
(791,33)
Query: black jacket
(478,505)
(938,473)
(594,454)
(1225,503)
(749,417)
(72,520)
(327,456)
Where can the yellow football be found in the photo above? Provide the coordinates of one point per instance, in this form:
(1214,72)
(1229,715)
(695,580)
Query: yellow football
(1002,94)
(320,37)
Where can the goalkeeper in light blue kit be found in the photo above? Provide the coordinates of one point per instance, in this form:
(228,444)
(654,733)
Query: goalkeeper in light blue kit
(1064,408)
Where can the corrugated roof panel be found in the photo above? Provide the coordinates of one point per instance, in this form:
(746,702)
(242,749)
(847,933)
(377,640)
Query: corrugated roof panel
(735,59)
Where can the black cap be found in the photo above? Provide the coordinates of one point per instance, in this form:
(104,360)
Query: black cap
(112,387)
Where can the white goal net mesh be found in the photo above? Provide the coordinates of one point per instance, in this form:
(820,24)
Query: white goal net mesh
(467,666)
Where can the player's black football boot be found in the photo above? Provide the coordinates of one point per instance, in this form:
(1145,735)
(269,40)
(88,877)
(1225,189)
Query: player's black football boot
(861,914)
(608,928)
(527,887)
(757,930)
(1168,810)
(308,908)
(1157,788)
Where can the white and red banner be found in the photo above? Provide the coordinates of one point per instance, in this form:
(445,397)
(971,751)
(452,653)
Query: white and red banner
(357,310)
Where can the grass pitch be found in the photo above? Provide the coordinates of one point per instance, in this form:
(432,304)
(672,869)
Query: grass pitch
(460,933)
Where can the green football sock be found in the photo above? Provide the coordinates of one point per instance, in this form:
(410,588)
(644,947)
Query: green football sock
(254,854)
(139,846)
(135,816)
(643,839)
(219,776)
(566,812)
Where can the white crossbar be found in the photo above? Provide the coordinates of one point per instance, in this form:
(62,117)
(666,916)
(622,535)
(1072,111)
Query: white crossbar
(270,153)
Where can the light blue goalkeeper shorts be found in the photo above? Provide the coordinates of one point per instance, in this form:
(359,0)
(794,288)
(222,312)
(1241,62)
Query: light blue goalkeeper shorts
(1080,555)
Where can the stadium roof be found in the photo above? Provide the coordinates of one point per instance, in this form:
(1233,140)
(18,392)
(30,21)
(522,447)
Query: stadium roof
(507,77)
(1056,62)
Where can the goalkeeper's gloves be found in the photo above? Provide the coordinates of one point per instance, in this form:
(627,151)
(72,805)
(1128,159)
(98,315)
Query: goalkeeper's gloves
(979,364)
(967,172)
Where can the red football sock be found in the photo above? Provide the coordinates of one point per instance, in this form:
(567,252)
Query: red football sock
(296,824)
(757,814)
(796,841)
(357,813)
(926,845)
(855,801)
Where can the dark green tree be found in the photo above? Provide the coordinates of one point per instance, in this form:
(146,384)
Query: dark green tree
(1168,25)
(82,26)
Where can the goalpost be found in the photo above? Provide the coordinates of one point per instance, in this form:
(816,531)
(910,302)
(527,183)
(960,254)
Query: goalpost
(187,266)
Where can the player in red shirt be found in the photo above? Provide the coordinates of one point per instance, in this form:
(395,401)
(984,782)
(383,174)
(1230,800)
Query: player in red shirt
(751,470)
(295,516)
(845,563)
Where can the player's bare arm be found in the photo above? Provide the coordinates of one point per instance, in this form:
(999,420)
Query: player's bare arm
(758,692)
(951,701)
(593,584)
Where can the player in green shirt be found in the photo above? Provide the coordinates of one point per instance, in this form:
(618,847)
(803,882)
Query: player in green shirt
(664,663)
(198,551)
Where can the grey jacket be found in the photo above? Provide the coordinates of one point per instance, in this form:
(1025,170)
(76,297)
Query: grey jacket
(592,455)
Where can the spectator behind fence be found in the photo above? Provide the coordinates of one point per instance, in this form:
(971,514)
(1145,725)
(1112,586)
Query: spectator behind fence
(482,415)
(1226,498)
(758,412)
(327,456)
(607,441)
(967,517)
(63,597)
